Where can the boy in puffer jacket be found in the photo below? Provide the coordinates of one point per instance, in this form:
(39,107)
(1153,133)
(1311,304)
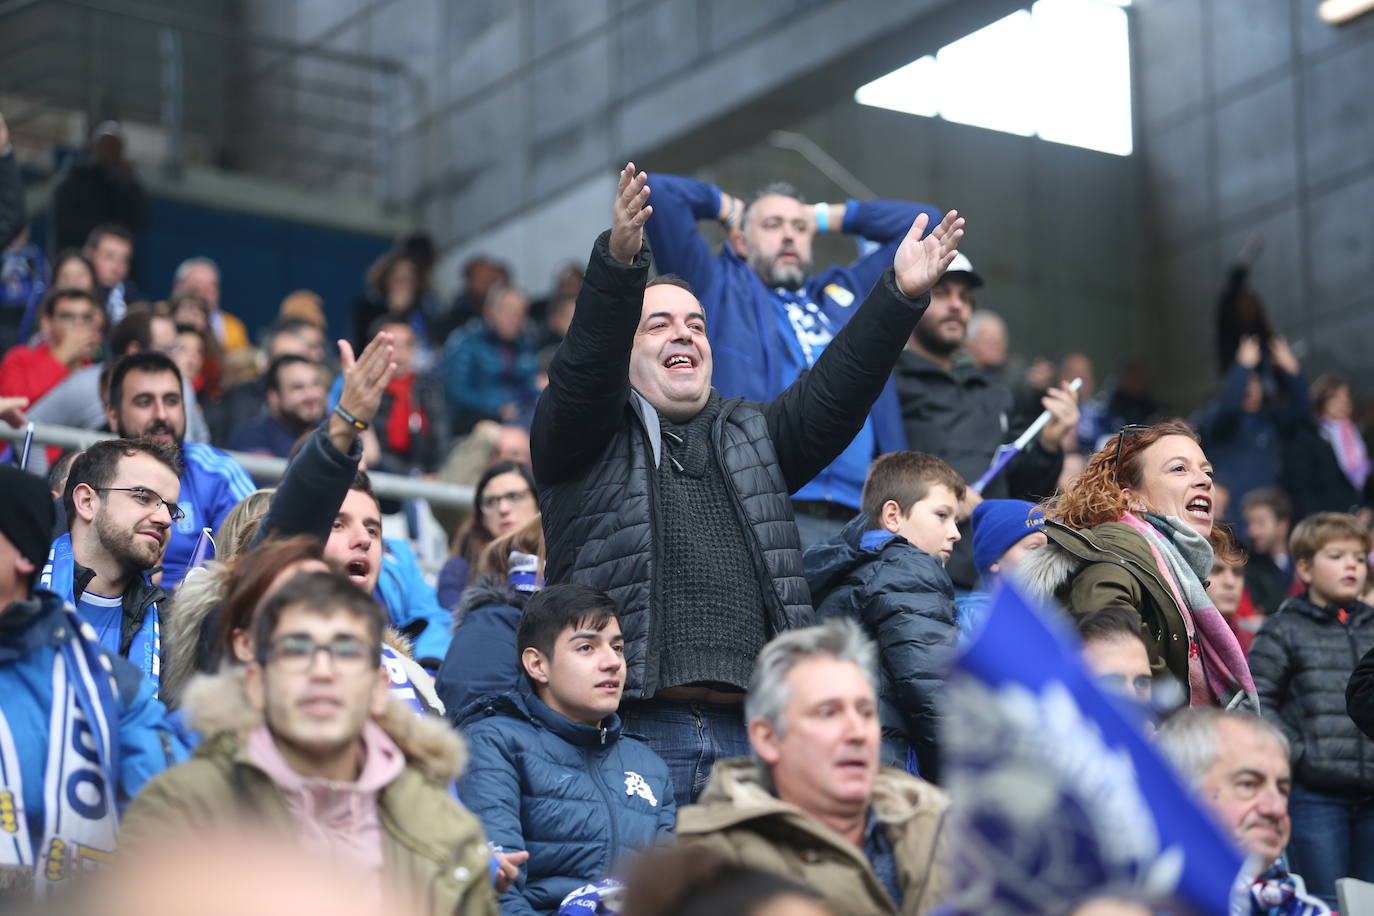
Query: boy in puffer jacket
(1302,659)
(885,569)
(551,772)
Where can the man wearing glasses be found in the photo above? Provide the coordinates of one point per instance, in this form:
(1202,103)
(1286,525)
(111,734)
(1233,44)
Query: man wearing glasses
(145,398)
(121,502)
(71,324)
(317,753)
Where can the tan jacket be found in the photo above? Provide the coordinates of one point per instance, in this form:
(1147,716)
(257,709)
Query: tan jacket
(740,818)
(433,847)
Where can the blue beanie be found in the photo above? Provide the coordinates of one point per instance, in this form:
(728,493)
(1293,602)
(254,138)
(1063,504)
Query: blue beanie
(1000,523)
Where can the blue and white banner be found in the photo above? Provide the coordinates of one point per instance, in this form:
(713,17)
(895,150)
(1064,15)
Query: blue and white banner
(1056,795)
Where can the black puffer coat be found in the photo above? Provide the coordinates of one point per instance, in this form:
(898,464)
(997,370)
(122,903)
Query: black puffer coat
(596,444)
(904,600)
(1302,659)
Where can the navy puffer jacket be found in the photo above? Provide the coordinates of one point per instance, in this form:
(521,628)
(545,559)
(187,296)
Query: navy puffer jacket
(904,600)
(481,659)
(578,797)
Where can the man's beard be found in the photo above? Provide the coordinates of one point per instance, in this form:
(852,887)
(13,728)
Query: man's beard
(132,551)
(788,276)
(295,423)
(932,342)
(157,427)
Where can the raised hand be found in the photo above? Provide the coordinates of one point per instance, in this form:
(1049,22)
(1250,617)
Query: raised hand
(629,215)
(1062,403)
(921,262)
(12,411)
(365,379)
(1283,356)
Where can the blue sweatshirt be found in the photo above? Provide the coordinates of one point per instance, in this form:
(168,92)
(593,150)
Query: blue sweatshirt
(761,338)
(409,599)
(211,484)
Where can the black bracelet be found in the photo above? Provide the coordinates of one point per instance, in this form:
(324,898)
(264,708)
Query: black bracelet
(351,420)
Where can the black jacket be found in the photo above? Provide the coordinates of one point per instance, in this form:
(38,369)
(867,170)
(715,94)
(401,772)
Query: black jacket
(313,488)
(1302,660)
(1312,475)
(904,600)
(12,214)
(961,417)
(596,444)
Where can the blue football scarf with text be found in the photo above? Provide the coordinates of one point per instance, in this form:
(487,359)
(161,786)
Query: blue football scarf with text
(80,815)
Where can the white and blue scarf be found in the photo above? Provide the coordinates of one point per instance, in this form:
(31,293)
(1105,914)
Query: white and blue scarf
(80,814)
(59,575)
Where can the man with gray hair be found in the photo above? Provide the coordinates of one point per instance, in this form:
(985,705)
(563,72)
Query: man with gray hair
(200,275)
(813,804)
(1238,763)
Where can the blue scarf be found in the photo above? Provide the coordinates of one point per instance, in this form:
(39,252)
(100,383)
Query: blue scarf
(80,813)
(59,576)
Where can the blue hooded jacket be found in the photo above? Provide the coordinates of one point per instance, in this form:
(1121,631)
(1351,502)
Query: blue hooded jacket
(754,350)
(578,797)
(32,633)
(411,602)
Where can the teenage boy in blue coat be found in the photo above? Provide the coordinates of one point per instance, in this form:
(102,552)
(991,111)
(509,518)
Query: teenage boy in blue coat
(551,772)
(80,728)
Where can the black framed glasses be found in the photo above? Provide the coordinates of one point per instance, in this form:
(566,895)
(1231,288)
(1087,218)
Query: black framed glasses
(1120,438)
(295,653)
(148,499)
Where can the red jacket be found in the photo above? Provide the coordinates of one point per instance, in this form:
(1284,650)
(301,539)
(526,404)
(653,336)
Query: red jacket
(30,372)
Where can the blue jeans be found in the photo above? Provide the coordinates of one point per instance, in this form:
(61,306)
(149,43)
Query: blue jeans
(1333,837)
(690,736)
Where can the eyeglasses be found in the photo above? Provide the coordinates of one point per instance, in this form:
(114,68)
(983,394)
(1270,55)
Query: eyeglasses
(493,502)
(1120,438)
(148,499)
(295,654)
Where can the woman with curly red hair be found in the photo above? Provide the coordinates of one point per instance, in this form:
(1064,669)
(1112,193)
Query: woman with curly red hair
(1135,530)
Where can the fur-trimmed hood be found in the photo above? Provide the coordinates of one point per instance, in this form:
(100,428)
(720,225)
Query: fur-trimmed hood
(1047,570)
(195,604)
(485,590)
(216,705)
(741,789)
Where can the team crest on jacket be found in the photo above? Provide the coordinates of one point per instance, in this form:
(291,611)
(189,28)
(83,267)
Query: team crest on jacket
(635,785)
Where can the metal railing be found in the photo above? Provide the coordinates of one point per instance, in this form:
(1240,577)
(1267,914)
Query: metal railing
(262,468)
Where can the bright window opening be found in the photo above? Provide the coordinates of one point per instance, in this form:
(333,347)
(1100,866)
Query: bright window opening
(1059,70)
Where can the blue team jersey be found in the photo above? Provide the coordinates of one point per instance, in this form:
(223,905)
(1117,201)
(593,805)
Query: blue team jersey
(211,483)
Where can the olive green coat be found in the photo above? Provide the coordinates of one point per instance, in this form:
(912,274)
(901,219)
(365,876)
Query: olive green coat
(1110,565)
(433,847)
(740,819)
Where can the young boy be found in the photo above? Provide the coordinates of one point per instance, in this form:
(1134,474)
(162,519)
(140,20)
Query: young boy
(551,772)
(1005,531)
(1302,659)
(886,570)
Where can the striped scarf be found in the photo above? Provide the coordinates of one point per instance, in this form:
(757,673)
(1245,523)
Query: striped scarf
(1184,559)
(80,816)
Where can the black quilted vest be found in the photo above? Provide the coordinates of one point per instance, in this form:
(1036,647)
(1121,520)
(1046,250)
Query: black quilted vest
(599,526)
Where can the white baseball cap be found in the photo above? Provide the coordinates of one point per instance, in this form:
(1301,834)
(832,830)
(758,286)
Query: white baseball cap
(961,265)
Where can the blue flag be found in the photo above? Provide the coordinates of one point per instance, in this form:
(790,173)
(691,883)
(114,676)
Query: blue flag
(1056,795)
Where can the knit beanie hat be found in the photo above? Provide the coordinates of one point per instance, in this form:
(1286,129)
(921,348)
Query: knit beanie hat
(26,514)
(1000,523)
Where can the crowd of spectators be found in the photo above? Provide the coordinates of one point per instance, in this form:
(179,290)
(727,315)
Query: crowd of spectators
(733,518)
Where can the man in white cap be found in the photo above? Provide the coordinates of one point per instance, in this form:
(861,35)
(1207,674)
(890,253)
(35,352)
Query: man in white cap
(960,413)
